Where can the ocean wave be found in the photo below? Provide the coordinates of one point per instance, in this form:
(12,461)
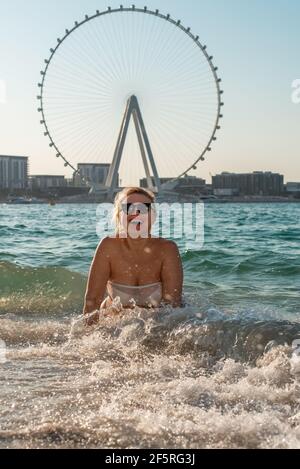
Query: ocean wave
(269,262)
(25,290)
(180,379)
(241,336)
(267,265)
(288,234)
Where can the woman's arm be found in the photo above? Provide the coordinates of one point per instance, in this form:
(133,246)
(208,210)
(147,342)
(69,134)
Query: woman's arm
(172,275)
(97,279)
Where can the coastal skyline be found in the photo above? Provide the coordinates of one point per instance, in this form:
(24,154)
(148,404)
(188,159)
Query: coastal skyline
(255,48)
(209,181)
(14,175)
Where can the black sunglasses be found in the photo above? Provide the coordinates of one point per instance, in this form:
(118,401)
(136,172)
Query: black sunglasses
(132,209)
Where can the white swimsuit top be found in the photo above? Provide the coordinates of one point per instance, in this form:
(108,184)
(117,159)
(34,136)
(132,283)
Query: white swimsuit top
(143,295)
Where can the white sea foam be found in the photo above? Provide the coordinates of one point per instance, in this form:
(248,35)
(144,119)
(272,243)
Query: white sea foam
(143,380)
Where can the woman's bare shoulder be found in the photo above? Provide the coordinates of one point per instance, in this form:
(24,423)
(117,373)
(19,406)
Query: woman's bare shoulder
(168,246)
(108,245)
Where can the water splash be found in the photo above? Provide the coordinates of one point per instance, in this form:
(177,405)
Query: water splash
(150,378)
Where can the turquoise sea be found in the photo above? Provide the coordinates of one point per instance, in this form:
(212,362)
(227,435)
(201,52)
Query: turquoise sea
(221,372)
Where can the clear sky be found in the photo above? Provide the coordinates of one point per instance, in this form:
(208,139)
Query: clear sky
(255,44)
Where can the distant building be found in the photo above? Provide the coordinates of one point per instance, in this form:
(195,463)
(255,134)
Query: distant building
(186,184)
(293,187)
(70,182)
(226,192)
(208,189)
(13,172)
(256,183)
(144,182)
(93,173)
(44,182)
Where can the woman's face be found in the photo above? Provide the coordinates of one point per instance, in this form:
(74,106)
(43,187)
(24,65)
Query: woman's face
(136,216)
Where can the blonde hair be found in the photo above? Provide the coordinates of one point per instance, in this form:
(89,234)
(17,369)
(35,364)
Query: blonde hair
(126,192)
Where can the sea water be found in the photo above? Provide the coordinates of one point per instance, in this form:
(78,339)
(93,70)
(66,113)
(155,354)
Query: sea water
(222,372)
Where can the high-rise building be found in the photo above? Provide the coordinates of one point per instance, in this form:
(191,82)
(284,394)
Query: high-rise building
(256,183)
(186,184)
(293,187)
(13,172)
(45,182)
(92,173)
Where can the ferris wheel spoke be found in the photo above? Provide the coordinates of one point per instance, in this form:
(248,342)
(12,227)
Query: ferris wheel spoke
(79,78)
(72,117)
(115,66)
(70,64)
(170,40)
(120,54)
(147,38)
(141,26)
(90,46)
(155,53)
(93,82)
(72,136)
(92,68)
(171,160)
(60,96)
(168,127)
(81,145)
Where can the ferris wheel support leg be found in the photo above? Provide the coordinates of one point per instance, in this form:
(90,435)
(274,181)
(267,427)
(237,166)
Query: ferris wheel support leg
(112,177)
(142,148)
(147,144)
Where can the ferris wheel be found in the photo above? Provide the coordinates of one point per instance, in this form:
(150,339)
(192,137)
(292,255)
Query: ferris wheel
(133,90)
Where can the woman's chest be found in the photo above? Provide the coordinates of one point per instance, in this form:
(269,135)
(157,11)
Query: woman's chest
(141,268)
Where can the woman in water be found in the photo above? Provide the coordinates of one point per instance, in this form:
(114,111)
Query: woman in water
(134,265)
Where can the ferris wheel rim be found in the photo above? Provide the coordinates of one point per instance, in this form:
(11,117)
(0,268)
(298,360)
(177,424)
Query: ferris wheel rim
(148,11)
